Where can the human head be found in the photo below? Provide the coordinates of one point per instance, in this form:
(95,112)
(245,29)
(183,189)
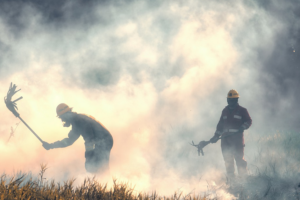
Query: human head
(232,98)
(64,112)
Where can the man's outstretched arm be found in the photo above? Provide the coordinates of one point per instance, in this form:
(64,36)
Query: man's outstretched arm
(72,137)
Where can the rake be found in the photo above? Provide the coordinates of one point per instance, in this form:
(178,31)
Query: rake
(203,143)
(12,106)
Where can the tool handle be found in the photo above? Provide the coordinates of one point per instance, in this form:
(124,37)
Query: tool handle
(31,130)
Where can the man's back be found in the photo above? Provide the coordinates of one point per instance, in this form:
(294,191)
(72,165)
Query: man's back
(90,129)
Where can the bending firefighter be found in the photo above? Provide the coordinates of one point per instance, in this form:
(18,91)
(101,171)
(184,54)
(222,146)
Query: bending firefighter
(98,140)
(234,120)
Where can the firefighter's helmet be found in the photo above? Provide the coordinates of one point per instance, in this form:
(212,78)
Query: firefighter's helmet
(62,109)
(233,94)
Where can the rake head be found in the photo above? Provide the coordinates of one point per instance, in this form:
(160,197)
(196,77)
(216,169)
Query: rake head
(200,146)
(12,105)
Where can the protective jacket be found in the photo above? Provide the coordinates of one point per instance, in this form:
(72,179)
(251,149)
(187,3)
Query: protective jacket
(232,119)
(98,141)
(92,131)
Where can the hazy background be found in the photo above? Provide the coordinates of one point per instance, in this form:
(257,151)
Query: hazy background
(155,73)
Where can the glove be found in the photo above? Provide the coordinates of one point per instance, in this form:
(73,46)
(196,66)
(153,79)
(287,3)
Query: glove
(47,146)
(214,139)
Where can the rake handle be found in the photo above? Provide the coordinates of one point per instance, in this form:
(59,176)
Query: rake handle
(31,129)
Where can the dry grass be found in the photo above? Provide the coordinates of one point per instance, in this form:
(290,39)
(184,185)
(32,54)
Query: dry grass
(275,174)
(17,188)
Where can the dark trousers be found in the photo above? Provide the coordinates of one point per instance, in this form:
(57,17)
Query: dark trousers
(233,149)
(97,160)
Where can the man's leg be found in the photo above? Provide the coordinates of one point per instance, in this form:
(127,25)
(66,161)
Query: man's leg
(226,147)
(229,160)
(102,160)
(241,163)
(90,162)
(98,161)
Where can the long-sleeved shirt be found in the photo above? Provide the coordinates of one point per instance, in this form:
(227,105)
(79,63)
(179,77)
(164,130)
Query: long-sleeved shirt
(232,119)
(92,131)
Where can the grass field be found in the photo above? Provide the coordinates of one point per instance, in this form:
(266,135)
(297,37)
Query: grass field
(17,188)
(274,173)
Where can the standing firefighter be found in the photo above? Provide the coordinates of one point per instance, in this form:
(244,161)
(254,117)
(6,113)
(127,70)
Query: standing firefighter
(98,140)
(234,120)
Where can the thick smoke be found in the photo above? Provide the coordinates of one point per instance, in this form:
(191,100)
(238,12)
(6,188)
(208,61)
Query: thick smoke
(155,73)
(280,72)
